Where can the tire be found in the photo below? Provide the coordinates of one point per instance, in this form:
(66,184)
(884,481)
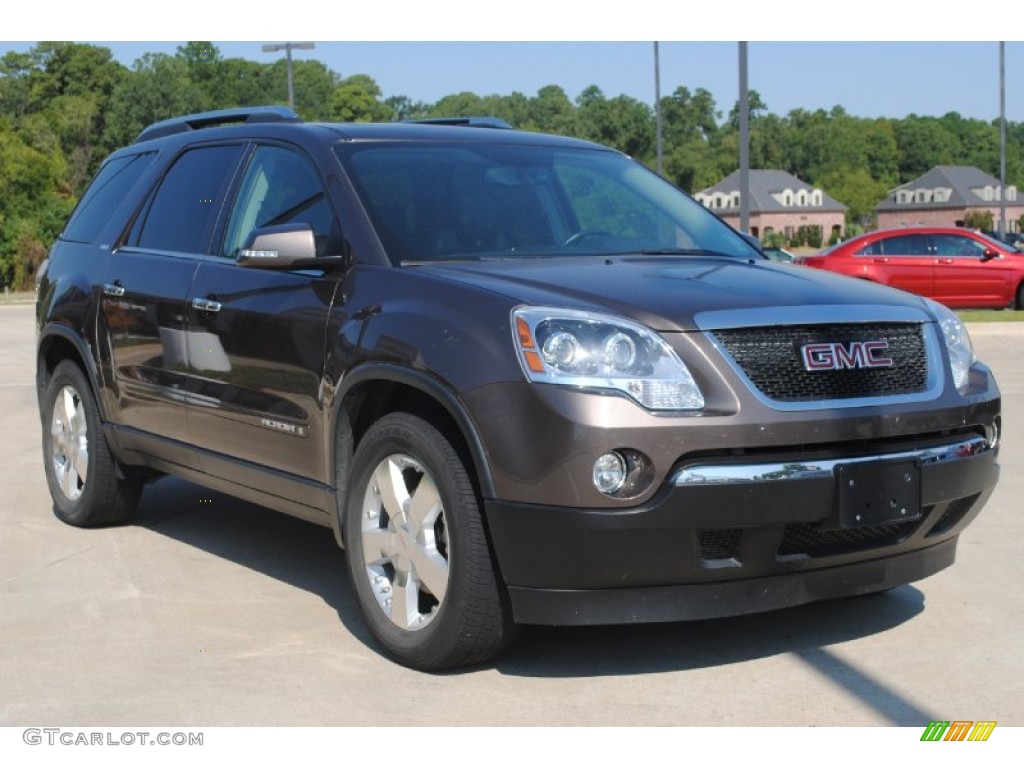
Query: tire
(1020,297)
(85,482)
(456,612)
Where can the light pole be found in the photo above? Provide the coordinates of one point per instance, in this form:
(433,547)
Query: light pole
(657,107)
(288,48)
(1002,139)
(744,143)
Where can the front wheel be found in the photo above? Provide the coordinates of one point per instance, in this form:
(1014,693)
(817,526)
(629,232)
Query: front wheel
(417,551)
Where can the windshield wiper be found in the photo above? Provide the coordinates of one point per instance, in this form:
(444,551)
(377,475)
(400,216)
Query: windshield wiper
(682,252)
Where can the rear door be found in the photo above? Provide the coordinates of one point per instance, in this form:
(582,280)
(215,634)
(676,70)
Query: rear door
(902,261)
(142,312)
(259,335)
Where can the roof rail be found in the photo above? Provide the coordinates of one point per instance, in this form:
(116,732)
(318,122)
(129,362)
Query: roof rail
(218,117)
(474,122)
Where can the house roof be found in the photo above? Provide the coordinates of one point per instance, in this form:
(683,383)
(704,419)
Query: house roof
(961,180)
(764,184)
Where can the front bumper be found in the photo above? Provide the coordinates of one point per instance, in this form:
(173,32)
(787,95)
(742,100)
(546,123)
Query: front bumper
(737,536)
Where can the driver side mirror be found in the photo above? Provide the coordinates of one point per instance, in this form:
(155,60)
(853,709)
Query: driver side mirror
(989,254)
(279,247)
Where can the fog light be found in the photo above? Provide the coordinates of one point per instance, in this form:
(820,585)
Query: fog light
(610,471)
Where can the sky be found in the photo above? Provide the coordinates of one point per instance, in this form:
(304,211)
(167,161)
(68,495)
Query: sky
(870,77)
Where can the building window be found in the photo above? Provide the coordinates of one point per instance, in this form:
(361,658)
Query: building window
(816,197)
(1011,192)
(922,196)
(801,198)
(787,199)
(988,193)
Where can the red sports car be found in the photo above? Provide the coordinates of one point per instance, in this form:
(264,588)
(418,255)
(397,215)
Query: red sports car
(957,267)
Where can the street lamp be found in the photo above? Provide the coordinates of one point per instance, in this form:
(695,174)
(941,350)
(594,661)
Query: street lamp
(288,48)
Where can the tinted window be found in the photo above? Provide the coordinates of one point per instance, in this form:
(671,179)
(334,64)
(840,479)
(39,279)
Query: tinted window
(280,188)
(957,245)
(477,200)
(186,204)
(902,245)
(108,190)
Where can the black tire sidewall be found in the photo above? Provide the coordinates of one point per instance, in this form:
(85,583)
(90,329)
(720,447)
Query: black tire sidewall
(107,497)
(406,434)
(75,512)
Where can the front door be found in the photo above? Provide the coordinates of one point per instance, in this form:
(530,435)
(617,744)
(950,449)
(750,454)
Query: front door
(259,336)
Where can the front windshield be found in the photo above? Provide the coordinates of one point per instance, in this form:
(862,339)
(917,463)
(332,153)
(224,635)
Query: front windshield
(458,201)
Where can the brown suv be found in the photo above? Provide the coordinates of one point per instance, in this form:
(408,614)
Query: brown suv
(521,377)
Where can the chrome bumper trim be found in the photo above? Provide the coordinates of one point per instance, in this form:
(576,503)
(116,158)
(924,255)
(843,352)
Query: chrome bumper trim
(716,474)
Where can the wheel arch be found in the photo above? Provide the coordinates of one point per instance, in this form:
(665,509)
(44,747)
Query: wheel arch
(56,344)
(372,391)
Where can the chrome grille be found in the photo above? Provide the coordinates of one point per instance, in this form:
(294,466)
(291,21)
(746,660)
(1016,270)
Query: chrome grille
(771,359)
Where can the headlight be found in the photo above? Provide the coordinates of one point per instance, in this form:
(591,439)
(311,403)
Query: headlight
(587,349)
(958,343)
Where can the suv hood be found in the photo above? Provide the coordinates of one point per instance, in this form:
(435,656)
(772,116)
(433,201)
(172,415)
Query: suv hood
(666,292)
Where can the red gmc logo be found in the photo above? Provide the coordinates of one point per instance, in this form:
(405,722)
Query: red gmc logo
(856,354)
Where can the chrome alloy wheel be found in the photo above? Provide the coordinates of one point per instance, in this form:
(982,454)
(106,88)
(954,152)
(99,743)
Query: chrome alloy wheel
(405,542)
(69,449)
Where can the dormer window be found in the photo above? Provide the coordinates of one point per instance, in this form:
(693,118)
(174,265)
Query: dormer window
(1011,192)
(801,197)
(816,197)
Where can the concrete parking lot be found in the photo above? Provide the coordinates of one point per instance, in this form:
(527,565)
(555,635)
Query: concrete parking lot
(209,611)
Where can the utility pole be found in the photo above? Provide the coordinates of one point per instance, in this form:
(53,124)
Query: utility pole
(288,48)
(657,107)
(744,143)
(1002,140)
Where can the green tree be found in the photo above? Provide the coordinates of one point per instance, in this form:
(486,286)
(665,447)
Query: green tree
(159,88)
(923,143)
(623,122)
(551,112)
(357,99)
(34,201)
(983,220)
(855,188)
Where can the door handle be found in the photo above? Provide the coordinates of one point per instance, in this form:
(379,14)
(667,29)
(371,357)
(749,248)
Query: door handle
(206,305)
(113,289)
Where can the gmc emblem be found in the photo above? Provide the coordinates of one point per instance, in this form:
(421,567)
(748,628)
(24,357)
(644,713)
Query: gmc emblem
(836,356)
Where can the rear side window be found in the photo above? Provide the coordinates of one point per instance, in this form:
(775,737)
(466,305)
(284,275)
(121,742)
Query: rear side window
(902,245)
(186,204)
(108,190)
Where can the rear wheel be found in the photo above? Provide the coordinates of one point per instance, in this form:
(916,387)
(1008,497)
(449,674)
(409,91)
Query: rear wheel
(1020,297)
(417,551)
(83,477)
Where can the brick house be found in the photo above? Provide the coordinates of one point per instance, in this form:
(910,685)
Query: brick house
(779,202)
(943,197)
